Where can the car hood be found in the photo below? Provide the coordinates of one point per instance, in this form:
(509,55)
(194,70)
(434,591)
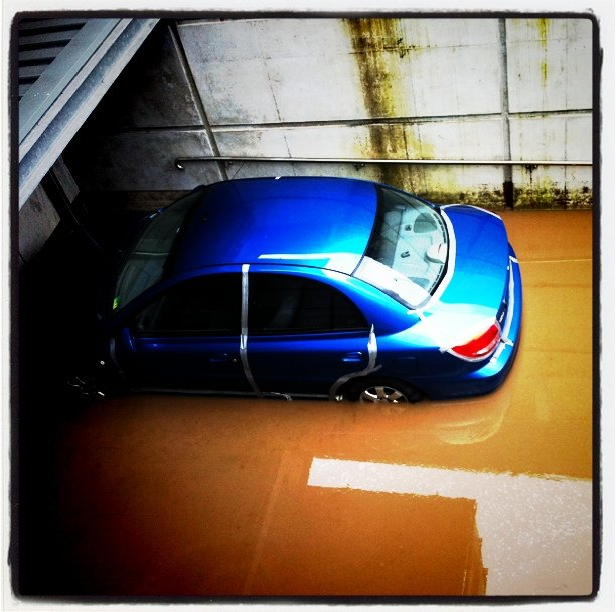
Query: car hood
(480,258)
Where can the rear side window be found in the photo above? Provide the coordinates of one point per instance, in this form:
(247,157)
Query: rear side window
(209,305)
(290,304)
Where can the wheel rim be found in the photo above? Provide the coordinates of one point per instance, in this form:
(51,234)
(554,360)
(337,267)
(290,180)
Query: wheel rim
(383,394)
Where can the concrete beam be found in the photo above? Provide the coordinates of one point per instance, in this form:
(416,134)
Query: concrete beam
(58,104)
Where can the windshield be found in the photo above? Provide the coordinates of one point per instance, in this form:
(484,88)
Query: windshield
(145,264)
(407,251)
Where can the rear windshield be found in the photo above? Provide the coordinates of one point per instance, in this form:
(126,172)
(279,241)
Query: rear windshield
(407,252)
(144,266)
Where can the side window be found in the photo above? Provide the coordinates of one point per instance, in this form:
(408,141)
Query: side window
(210,305)
(290,304)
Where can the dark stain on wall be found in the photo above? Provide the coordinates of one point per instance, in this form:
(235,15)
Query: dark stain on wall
(382,53)
(379,47)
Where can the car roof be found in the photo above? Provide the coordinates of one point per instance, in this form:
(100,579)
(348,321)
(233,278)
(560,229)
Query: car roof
(315,221)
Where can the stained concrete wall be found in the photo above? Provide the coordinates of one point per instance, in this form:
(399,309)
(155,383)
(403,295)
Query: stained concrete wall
(451,89)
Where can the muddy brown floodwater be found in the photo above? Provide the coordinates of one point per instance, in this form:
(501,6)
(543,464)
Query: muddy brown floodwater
(164,495)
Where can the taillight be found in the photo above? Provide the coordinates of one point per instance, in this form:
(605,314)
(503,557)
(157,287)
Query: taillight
(480,346)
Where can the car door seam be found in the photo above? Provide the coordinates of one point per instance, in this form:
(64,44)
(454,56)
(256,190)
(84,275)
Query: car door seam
(244,331)
(371,367)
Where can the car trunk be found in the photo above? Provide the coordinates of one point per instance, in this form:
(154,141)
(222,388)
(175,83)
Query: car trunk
(481,262)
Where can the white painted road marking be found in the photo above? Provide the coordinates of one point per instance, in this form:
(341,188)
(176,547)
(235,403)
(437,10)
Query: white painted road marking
(536,532)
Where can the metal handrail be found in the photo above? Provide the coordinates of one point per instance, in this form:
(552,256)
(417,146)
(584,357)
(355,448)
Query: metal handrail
(359,162)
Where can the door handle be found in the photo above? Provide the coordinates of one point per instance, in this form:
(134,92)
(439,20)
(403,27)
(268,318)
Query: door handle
(352,357)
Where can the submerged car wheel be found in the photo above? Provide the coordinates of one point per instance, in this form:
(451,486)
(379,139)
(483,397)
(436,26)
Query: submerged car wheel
(383,392)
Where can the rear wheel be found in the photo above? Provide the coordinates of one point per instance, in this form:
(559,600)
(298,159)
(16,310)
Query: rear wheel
(381,391)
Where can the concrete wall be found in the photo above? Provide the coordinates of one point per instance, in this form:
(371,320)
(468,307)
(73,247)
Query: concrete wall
(451,89)
(38,218)
(37,221)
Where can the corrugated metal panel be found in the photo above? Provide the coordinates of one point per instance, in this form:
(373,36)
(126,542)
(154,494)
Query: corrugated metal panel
(40,41)
(67,67)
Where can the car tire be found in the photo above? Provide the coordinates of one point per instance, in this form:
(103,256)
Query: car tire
(382,391)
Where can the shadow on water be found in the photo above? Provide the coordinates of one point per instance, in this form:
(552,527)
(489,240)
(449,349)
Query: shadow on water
(53,326)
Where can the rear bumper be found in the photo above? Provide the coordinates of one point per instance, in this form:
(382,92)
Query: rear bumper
(491,375)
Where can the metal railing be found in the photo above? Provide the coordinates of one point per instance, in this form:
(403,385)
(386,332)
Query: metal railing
(360,162)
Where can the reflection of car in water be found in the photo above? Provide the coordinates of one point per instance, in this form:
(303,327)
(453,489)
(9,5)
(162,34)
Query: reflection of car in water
(428,426)
(316,287)
(471,421)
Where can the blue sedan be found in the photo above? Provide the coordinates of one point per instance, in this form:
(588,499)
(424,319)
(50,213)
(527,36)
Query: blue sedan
(316,287)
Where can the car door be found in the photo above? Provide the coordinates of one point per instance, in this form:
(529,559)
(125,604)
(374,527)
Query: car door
(303,334)
(188,337)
